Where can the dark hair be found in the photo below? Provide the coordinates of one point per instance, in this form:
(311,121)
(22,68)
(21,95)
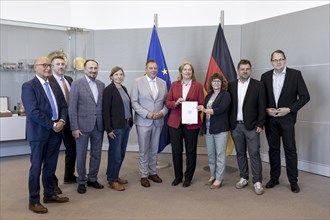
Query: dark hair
(90,61)
(57,57)
(277,51)
(115,69)
(193,77)
(151,61)
(224,83)
(244,62)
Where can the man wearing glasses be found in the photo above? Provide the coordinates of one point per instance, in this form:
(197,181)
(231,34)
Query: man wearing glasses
(286,93)
(46,113)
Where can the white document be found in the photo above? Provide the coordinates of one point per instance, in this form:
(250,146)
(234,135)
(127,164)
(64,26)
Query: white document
(189,113)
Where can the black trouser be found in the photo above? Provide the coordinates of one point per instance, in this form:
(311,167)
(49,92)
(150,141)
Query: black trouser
(275,130)
(190,137)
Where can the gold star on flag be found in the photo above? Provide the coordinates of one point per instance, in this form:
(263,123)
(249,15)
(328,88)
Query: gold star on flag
(164,71)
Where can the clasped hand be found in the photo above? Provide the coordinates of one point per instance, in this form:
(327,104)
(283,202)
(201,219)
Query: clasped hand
(58,126)
(278,112)
(154,115)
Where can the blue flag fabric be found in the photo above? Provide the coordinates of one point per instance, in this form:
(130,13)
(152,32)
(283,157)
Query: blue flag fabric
(156,53)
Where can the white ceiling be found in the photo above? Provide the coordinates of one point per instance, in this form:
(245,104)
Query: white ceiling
(140,14)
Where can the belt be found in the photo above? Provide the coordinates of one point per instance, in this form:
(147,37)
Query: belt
(240,122)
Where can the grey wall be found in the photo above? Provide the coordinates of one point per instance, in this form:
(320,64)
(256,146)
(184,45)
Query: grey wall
(304,37)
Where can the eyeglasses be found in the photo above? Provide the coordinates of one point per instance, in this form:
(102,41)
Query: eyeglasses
(278,61)
(44,65)
(216,81)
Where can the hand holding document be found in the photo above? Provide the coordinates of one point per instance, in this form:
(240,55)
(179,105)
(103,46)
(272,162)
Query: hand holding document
(189,112)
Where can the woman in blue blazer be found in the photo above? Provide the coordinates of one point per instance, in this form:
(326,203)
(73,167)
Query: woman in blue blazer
(216,127)
(117,120)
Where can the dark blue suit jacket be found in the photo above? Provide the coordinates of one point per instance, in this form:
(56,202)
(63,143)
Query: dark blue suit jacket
(39,122)
(220,119)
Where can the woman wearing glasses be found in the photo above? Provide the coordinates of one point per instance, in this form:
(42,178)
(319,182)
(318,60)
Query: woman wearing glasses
(216,127)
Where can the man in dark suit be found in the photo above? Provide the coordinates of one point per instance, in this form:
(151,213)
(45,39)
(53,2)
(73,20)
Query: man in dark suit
(85,112)
(64,83)
(46,115)
(247,119)
(286,93)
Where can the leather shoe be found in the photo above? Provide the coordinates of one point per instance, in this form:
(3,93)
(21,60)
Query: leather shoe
(57,190)
(186,183)
(145,182)
(122,181)
(95,184)
(294,187)
(117,186)
(72,179)
(271,183)
(155,178)
(55,199)
(38,208)
(81,188)
(176,182)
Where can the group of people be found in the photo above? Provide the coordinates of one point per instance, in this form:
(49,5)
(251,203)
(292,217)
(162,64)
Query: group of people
(78,112)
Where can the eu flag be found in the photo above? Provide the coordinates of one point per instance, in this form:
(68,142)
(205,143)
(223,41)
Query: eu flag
(156,53)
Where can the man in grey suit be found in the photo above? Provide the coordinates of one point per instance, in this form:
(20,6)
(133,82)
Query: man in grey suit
(148,97)
(85,113)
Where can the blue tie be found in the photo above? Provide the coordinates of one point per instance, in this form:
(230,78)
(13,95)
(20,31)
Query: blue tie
(52,104)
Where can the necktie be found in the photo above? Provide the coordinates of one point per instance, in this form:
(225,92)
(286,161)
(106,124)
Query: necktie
(154,89)
(52,103)
(66,90)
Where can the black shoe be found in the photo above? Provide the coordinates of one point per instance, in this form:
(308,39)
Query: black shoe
(57,190)
(176,182)
(271,183)
(81,188)
(186,183)
(69,180)
(95,184)
(294,187)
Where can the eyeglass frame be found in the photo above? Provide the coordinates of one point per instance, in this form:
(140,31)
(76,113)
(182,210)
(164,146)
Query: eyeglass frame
(278,60)
(44,65)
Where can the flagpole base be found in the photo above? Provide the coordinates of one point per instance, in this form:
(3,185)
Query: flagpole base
(162,164)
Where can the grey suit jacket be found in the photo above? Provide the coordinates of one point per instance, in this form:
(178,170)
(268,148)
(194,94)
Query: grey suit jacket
(84,112)
(143,101)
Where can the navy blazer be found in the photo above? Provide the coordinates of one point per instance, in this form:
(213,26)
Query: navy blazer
(254,105)
(38,110)
(219,121)
(294,94)
(113,109)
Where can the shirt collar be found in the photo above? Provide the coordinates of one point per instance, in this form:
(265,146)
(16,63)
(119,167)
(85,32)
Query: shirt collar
(151,80)
(42,81)
(57,76)
(244,83)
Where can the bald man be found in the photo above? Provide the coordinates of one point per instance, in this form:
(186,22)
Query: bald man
(46,113)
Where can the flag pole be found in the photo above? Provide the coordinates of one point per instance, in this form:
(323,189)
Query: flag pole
(160,164)
(156,21)
(222,18)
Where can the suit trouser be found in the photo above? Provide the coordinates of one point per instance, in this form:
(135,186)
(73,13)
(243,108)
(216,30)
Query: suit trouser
(275,129)
(190,137)
(248,140)
(44,155)
(70,152)
(96,139)
(148,138)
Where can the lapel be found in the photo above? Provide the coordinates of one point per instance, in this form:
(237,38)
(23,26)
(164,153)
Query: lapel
(88,89)
(249,91)
(40,88)
(191,91)
(146,84)
(286,82)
